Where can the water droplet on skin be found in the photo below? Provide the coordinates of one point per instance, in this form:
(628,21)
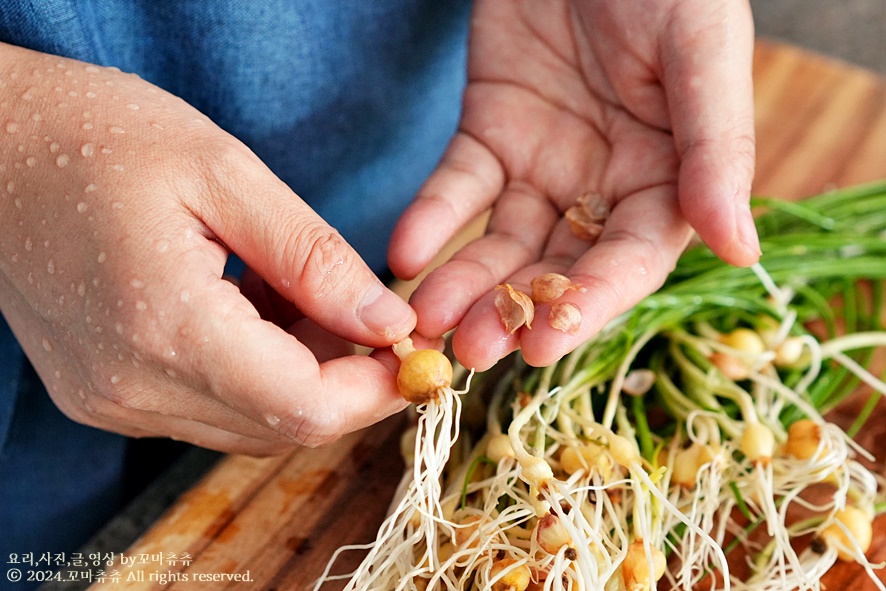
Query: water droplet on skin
(161,245)
(141,306)
(31,161)
(95,281)
(81,289)
(102,257)
(116,205)
(81,394)
(117,167)
(119,328)
(92,70)
(116,129)
(273,420)
(28,244)
(89,188)
(132,106)
(30,278)
(14,258)
(90,94)
(81,207)
(53,147)
(137,283)
(156,125)
(106,150)
(87,125)
(28,94)
(171,372)
(169,352)
(115,379)
(47,345)
(73,93)
(643,271)
(10,187)
(62,160)
(11,127)
(50,267)
(87,150)
(185,296)
(18,202)
(37,117)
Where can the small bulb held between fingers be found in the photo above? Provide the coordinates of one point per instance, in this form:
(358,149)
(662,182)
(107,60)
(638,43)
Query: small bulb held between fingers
(423,372)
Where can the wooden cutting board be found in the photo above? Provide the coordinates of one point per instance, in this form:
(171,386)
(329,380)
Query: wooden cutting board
(276,521)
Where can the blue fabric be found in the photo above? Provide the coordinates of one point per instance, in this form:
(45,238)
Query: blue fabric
(350,102)
(11,361)
(61,480)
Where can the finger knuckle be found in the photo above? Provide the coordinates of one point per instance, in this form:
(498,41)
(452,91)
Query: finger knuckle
(316,430)
(220,164)
(648,257)
(744,148)
(124,396)
(326,260)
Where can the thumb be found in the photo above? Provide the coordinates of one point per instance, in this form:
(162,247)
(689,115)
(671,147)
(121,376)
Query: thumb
(301,256)
(708,63)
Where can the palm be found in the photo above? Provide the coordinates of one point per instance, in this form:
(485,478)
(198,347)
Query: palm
(551,112)
(540,102)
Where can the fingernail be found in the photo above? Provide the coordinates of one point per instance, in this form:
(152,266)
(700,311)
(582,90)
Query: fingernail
(746,228)
(385,313)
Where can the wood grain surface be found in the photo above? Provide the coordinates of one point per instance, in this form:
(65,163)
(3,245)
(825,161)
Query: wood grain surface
(275,522)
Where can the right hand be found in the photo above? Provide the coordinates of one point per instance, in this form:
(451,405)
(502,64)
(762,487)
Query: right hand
(119,204)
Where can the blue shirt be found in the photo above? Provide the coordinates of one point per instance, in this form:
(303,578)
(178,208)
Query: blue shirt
(350,102)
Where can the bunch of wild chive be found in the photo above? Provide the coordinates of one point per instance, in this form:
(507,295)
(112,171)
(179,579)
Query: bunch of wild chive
(685,445)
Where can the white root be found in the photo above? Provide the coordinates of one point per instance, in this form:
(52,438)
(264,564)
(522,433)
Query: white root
(560,500)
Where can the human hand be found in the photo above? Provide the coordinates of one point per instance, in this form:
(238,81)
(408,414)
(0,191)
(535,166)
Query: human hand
(118,206)
(647,103)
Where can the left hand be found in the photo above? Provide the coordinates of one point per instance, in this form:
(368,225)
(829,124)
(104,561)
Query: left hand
(647,103)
